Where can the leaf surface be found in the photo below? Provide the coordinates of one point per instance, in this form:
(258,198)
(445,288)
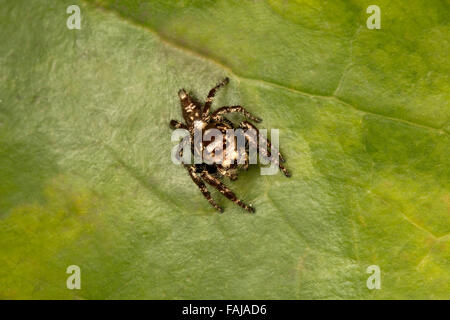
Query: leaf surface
(85,150)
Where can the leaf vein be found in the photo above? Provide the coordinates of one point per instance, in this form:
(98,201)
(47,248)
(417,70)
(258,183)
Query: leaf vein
(204,56)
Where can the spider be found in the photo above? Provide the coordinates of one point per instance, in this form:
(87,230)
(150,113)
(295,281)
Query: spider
(195,115)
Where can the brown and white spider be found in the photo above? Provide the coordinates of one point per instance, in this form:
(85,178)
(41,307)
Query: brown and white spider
(195,115)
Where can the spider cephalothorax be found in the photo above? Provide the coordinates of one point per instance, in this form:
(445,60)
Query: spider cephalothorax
(197,117)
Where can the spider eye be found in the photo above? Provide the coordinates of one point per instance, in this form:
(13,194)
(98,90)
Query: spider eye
(182,94)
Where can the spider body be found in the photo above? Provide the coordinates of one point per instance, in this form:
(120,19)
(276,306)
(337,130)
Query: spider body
(199,117)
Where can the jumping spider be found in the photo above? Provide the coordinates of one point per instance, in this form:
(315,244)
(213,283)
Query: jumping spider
(194,115)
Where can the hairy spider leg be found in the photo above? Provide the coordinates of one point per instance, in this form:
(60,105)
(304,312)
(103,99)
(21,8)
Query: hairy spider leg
(248,125)
(225,121)
(210,97)
(231,109)
(226,173)
(174,124)
(223,189)
(201,185)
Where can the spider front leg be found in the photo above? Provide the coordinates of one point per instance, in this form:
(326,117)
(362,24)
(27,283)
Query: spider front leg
(174,124)
(247,125)
(223,189)
(225,121)
(210,97)
(201,185)
(224,110)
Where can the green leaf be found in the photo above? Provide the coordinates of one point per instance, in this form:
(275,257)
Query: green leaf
(86,176)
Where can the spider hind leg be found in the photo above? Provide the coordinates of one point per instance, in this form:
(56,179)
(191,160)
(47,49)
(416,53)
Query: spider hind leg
(223,189)
(201,185)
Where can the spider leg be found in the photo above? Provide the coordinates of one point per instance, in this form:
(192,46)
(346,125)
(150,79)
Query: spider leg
(216,183)
(226,173)
(174,124)
(201,185)
(230,109)
(210,97)
(224,120)
(248,125)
